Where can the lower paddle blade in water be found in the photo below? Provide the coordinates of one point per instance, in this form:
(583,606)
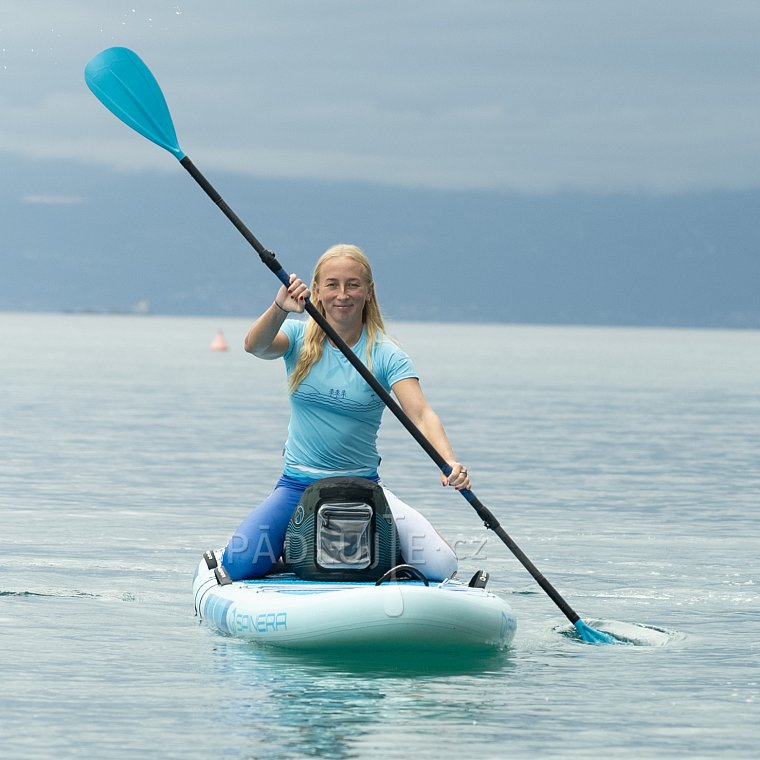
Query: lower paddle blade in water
(593,636)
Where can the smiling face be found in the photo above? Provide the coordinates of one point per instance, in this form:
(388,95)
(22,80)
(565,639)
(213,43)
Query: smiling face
(342,288)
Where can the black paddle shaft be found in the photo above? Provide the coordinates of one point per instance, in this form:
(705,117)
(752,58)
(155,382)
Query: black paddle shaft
(490,522)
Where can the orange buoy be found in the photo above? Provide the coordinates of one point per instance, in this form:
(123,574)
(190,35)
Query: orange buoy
(219,343)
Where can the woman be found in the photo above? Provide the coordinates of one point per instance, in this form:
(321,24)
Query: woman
(335,415)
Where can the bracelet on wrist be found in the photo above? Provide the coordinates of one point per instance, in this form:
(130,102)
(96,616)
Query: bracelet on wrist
(279,307)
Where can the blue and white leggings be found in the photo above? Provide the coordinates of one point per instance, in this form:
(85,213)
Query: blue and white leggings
(259,540)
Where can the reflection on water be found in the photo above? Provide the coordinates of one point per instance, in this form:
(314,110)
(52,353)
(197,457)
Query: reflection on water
(314,703)
(383,664)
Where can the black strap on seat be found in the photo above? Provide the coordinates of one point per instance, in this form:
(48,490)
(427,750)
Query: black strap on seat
(210,558)
(222,576)
(479,580)
(402,573)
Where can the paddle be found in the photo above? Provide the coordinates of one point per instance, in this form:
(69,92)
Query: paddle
(125,85)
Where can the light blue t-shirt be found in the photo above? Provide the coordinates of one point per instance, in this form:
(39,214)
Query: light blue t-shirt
(335,415)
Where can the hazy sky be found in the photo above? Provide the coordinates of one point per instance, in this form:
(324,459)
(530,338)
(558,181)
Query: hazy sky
(534,96)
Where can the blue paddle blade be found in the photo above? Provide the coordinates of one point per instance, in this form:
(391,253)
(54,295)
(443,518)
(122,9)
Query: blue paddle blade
(125,86)
(592,636)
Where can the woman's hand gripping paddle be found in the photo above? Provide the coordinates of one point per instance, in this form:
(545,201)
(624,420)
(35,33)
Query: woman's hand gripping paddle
(126,87)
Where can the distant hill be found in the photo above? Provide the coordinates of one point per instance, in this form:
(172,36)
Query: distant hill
(155,241)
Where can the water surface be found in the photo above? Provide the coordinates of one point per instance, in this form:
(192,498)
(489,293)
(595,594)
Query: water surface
(624,462)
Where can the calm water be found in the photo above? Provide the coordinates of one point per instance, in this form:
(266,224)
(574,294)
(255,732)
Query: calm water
(623,462)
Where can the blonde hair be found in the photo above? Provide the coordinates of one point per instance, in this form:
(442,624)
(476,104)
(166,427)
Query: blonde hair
(314,336)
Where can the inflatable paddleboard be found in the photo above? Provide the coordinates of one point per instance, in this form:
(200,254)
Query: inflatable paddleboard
(286,611)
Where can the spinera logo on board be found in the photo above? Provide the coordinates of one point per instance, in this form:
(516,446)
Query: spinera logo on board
(265,622)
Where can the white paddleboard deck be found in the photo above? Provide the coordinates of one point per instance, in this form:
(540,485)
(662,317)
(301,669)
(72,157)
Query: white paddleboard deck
(286,611)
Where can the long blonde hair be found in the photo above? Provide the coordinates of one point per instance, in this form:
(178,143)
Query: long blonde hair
(314,337)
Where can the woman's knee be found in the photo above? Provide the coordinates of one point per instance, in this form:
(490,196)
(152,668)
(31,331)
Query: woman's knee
(251,554)
(257,543)
(422,546)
